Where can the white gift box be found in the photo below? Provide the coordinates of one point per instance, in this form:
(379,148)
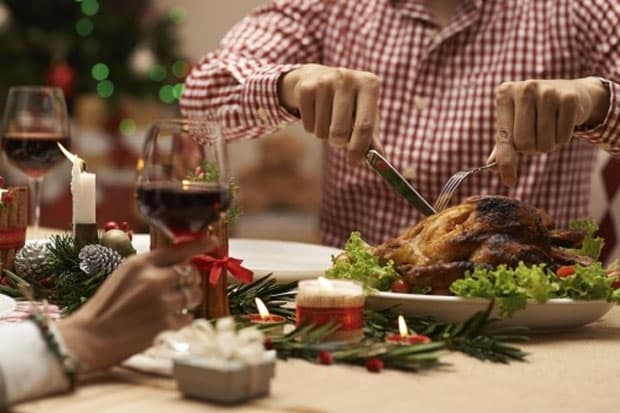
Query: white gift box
(224,381)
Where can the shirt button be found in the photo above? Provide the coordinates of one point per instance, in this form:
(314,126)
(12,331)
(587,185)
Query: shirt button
(421,103)
(262,115)
(409,172)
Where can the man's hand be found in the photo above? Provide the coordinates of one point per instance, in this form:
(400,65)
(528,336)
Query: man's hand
(334,103)
(538,116)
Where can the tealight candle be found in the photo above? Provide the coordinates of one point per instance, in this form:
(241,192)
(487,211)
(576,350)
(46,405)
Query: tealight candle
(323,301)
(265,318)
(404,337)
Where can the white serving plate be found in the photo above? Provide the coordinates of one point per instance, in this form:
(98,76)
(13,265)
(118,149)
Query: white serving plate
(7,305)
(288,261)
(555,314)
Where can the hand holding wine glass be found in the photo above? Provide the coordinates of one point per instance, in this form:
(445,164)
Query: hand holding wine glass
(35,120)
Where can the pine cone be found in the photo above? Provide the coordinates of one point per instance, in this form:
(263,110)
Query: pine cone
(97,258)
(32,262)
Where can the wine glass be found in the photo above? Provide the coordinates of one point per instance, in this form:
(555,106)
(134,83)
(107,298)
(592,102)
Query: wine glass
(35,121)
(182,183)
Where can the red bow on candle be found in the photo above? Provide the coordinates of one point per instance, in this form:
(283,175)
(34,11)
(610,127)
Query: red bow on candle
(215,266)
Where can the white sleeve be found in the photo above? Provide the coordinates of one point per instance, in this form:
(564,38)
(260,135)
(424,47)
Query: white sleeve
(27,368)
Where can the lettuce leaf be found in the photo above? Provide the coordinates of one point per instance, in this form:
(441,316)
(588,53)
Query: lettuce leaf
(359,264)
(513,287)
(591,246)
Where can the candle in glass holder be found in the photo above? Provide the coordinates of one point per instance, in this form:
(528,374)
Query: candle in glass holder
(323,301)
(265,318)
(404,337)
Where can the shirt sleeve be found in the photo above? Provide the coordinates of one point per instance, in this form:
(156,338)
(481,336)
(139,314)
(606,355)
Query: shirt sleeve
(27,369)
(237,84)
(597,38)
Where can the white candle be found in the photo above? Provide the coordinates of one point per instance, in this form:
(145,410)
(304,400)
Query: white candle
(83,190)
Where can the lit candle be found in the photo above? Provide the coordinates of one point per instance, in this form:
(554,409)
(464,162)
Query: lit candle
(323,301)
(265,318)
(83,190)
(405,337)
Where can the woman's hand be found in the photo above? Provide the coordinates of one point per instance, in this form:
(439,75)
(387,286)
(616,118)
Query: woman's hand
(538,116)
(144,296)
(334,103)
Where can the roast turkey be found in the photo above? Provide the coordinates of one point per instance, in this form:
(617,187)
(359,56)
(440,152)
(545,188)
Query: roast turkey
(482,231)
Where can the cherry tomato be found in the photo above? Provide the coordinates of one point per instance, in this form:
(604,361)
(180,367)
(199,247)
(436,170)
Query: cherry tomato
(565,271)
(401,286)
(616,275)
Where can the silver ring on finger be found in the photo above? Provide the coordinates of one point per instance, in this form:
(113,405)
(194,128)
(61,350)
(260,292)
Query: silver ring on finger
(182,312)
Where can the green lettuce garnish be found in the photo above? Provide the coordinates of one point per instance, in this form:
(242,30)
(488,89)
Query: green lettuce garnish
(511,288)
(592,245)
(359,264)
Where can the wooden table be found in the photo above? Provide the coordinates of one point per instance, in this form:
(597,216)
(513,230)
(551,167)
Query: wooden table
(576,371)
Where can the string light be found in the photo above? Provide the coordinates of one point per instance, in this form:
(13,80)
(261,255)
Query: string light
(90,7)
(166,94)
(100,71)
(177,91)
(105,88)
(177,14)
(84,26)
(127,127)
(157,73)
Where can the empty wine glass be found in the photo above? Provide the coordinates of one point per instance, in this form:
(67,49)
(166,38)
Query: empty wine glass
(35,121)
(182,182)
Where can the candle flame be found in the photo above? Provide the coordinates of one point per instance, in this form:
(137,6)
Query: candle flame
(73,158)
(402,326)
(262,309)
(325,283)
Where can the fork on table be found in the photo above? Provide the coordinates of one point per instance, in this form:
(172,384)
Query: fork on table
(454,182)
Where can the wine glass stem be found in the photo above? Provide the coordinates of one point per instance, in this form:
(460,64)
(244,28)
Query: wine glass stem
(35,187)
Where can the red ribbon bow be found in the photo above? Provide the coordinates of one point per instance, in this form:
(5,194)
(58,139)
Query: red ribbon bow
(215,266)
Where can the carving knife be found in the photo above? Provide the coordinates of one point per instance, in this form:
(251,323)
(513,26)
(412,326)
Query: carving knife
(397,182)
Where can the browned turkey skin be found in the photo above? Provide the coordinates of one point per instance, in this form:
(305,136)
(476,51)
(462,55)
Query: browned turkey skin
(484,230)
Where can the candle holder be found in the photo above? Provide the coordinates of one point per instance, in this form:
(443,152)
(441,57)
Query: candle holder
(13,223)
(215,297)
(325,301)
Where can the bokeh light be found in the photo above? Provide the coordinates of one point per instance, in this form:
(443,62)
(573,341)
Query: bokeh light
(177,14)
(180,68)
(90,7)
(177,91)
(105,88)
(100,71)
(166,94)
(84,26)
(157,73)
(127,127)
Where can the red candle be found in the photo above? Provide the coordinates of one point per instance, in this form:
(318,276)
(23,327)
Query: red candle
(404,337)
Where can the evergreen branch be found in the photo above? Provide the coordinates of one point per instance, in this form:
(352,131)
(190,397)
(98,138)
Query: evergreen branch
(275,296)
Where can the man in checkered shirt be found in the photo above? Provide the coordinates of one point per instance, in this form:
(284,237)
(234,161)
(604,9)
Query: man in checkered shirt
(438,85)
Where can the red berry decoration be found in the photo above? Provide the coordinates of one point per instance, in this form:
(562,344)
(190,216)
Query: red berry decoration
(268,344)
(374,365)
(110,225)
(326,358)
(124,226)
(4,280)
(401,286)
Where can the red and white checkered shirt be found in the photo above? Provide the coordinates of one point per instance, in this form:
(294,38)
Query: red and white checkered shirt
(437,94)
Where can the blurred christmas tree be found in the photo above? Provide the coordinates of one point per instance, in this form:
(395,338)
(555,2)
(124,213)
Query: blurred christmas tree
(113,48)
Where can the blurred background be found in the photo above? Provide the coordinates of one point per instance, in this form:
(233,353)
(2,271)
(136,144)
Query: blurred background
(122,64)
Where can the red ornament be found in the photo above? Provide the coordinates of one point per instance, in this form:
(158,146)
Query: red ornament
(374,365)
(124,226)
(63,76)
(110,225)
(325,358)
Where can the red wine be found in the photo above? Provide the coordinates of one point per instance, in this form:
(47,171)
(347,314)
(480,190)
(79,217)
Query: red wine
(34,153)
(182,212)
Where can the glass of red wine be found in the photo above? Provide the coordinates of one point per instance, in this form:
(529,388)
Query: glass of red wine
(35,121)
(182,183)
